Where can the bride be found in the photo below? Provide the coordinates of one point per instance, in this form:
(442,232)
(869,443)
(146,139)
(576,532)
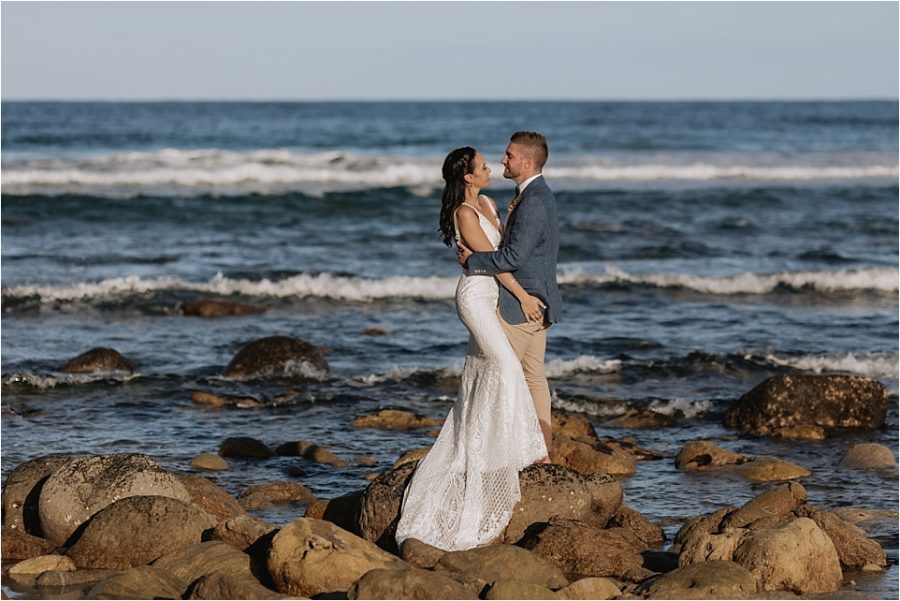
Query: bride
(463,492)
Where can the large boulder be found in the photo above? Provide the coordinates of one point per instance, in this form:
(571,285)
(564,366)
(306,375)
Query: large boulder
(829,401)
(242,532)
(868,455)
(136,530)
(516,589)
(797,557)
(704,547)
(503,562)
(211,498)
(22,490)
(855,550)
(342,511)
(191,563)
(231,586)
(274,355)
(409,583)
(707,580)
(143,582)
(649,533)
(579,548)
(18,544)
(606,497)
(547,491)
(572,425)
(589,588)
(419,554)
(588,456)
(218,307)
(775,502)
(379,507)
(98,359)
(394,419)
(311,557)
(702,455)
(83,486)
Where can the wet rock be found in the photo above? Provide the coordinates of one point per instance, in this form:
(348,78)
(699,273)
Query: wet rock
(144,582)
(209,462)
(860,515)
(703,524)
(648,532)
(394,419)
(311,557)
(341,511)
(572,425)
(408,583)
(311,451)
(374,332)
(708,546)
(803,432)
(203,559)
(65,578)
(380,506)
(579,548)
(606,497)
(218,307)
(706,580)
(41,564)
(589,456)
(211,498)
(22,490)
(769,469)
(218,400)
(636,419)
(589,588)
(779,501)
(245,447)
(230,586)
(137,530)
(830,401)
(18,544)
(855,550)
(503,562)
(798,557)
(514,589)
(411,456)
(702,455)
(419,554)
(98,359)
(263,495)
(868,455)
(82,487)
(242,532)
(548,491)
(367,460)
(274,355)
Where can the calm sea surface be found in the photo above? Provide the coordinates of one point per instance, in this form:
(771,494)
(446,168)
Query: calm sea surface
(704,247)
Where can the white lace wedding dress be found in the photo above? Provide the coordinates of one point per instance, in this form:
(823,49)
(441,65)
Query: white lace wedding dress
(463,492)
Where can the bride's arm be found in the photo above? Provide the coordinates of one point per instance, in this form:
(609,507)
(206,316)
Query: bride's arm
(473,237)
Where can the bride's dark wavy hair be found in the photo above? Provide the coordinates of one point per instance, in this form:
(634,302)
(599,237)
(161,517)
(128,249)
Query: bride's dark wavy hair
(458,164)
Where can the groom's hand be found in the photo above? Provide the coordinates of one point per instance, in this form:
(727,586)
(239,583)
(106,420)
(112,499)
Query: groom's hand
(462,253)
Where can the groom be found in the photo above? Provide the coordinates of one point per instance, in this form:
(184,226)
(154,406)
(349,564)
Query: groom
(529,250)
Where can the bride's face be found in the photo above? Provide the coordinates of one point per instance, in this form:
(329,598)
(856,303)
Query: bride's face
(481,174)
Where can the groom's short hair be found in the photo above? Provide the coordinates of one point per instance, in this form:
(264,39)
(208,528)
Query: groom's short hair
(535,142)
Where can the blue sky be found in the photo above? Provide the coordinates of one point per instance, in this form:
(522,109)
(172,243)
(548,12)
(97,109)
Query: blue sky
(462,50)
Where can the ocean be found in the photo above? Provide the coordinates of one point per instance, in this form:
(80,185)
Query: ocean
(705,246)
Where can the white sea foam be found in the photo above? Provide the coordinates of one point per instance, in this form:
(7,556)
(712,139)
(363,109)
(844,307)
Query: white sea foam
(48,381)
(876,365)
(199,171)
(559,368)
(690,408)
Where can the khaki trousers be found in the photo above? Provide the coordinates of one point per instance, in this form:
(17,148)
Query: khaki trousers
(529,341)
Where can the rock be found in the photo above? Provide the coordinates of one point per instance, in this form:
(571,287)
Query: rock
(203,559)
(700,455)
(210,462)
(579,548)
(859,515)
(606,497)
(82,487)
(829,401)
(65,578)
(342,511)
(374,332)
(779,501)
(868,455)
(394,419)
(98,360)
(41,564)
(589,456)
(211,498)
(380,506)
(308,450)
(707,580)
(273,355)
(409,583)
(572,425)
(242,532)
(648,532)
(514,589)
(245,447)
(310,557)
(18,544)
(589,588)
(366,460)
(217,400)
(635,419)
(547,491)
(769,469)
(503,562)
(229,586)
(262,495)
(413,455)
(144,582)
(22,490)
(855,550)
(703,455)
(137,530)
(218,307)
(803,432)
(798,557)
(707,546)
(419,554)
(704,524)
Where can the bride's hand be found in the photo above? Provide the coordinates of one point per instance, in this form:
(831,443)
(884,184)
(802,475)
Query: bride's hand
(532,307)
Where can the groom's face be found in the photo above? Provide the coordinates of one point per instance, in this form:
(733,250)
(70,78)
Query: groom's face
(516,161)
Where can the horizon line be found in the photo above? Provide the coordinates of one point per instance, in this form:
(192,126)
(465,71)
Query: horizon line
(467,100)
